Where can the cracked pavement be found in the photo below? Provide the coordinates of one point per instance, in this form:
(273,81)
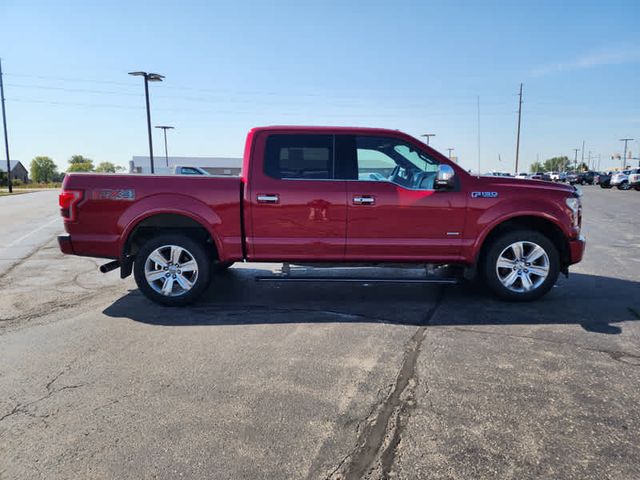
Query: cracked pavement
(263,380)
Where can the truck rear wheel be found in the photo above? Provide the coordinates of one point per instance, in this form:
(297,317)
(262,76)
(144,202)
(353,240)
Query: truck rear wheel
(172,269)
(521,265)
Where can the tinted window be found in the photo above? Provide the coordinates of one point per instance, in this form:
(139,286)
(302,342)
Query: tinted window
(299,156)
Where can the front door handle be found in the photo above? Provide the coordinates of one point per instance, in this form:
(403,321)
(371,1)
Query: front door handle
(268,198)
(364,200)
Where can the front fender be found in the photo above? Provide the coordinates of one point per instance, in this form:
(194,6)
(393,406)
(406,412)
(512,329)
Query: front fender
(509,209)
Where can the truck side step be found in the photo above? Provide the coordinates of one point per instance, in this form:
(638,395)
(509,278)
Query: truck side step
(286,278)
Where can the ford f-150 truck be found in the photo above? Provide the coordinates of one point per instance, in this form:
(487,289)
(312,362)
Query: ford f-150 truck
(324,195)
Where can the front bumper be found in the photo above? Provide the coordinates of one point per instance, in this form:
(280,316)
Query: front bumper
(576,249)
(64,241)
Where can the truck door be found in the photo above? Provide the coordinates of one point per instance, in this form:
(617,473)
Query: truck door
(297,208)
(394,213)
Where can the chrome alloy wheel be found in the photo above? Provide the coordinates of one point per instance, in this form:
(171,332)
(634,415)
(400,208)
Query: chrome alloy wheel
(171,270)
(522,266)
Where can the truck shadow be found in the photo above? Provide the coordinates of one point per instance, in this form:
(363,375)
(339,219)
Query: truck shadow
(235,298)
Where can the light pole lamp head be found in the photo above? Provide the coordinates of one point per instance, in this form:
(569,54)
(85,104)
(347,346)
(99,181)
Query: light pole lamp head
(151,77)
(154,77)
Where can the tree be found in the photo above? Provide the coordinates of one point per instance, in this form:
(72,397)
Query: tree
(43,170)
(108,167)
(556,164)
(78,163)
(583,167)
(536,167)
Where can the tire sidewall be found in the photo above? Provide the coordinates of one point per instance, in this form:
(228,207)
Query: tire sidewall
(502,242)
(199,254)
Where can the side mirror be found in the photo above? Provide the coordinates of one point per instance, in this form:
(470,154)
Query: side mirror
(445,177)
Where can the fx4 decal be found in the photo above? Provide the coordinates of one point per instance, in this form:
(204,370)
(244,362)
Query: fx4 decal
(484,194)
(109,194)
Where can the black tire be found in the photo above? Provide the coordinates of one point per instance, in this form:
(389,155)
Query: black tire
(194,249)
(493,252)
(624,186)
(222,266)
(637,188)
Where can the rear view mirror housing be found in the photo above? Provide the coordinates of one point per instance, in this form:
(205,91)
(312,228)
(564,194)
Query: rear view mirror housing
(445,177)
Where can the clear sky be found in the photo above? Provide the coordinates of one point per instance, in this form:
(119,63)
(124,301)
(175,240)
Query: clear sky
(415,66)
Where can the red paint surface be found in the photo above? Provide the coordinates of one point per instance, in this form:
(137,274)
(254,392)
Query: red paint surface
(316,220)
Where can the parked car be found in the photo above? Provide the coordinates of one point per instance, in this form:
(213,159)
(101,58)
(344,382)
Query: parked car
(558,176)
(581,178)
(298,187)
(522,175)
(634,179)
(604,180)
(540,176)
(181,170)
(621,180)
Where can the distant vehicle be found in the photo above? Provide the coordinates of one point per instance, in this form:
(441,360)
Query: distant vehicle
(604,180)
(540,176)
(583,178)
(621,180)
(558,176)
(634,179)
(181,170)
(499,174)
(522,175)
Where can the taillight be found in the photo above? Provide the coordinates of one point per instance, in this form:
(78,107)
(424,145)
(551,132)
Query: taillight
(68,199)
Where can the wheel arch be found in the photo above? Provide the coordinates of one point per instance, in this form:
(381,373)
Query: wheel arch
(154,223)
(542,224)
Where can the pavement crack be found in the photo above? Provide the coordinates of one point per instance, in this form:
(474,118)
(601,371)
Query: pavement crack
(378,440)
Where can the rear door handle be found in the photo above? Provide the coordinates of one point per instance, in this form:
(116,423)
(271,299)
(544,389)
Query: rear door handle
(364,200)
(268,198)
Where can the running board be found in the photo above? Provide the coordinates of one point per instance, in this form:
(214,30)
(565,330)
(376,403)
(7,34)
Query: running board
(287,278)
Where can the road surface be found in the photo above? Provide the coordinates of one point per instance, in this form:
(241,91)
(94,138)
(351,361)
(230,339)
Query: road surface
(325,381)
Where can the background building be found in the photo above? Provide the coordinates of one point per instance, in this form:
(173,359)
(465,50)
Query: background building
(18,171)
(213,165)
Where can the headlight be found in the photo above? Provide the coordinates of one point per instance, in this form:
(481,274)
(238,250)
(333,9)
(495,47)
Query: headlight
(574,204)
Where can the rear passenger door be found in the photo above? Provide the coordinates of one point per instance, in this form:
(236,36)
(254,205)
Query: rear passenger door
(297,206)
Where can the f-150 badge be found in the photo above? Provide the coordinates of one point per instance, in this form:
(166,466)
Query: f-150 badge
(484,194)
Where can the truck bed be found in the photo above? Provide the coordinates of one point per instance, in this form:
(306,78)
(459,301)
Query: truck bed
(112,205)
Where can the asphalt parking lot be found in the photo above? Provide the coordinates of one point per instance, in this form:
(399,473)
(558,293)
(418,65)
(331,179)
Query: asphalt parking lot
(267,380)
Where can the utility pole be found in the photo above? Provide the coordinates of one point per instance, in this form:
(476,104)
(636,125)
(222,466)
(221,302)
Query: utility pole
(428,136)
(4,126)
(450,150)
(624,158)
(164,129)
(519,119)
(478,134)
(582,153)
(589,161)
(575,160)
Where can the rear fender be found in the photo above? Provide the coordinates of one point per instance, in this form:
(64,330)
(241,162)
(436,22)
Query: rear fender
(173,204)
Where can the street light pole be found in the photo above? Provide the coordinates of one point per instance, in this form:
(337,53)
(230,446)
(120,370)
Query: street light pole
(450,150)
(164,129)
(624,158)
(575,160)
(148,77)
(4,126)
(427,136)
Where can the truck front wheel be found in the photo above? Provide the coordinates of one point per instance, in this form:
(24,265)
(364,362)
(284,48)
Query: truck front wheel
(521,265)
(172,269)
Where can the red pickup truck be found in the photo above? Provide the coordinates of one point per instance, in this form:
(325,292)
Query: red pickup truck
(331,195)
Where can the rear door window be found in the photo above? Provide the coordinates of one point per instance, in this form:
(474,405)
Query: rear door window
(301,157)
